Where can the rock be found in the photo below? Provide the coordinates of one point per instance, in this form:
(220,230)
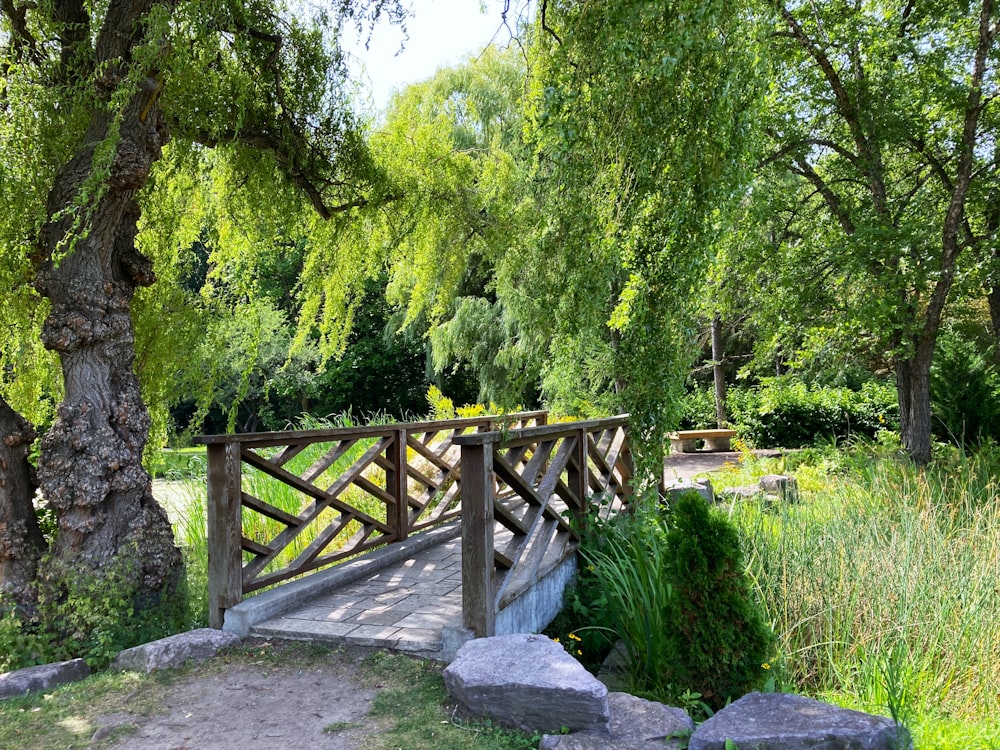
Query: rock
(636,724)
(702,486)
(614,669)
(175,650)
(42,677)
(528,682)
(779,484)
(777,721)
(743,492)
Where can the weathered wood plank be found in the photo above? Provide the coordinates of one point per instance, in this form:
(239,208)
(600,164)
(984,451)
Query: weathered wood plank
(266,509)
(289,437)
(322,498)
(396,486)
(225,575)
(327,460)
(478,610)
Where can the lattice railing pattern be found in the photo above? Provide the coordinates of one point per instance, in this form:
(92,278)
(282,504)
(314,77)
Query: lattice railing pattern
(287,503)
(522,491)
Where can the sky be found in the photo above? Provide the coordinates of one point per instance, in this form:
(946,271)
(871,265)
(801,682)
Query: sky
(441,33)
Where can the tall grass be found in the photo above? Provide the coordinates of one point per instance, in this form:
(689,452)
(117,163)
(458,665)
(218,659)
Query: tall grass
(629,564)
(882,588)
(191,519)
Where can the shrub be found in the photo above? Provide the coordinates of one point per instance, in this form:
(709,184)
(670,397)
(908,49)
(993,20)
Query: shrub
(785,411)
(717,642)
(673,589)
(965,391)
(91,615)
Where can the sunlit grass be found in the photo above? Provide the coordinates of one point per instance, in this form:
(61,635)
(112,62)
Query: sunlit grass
(881,584)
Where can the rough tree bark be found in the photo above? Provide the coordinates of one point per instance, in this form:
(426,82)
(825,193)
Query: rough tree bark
(21,542)
(718,373)
(90,470)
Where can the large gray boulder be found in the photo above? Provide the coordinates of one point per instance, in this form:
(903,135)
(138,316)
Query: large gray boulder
(778,721)
(41,678)
(175,650)
(677,487)
(528,682)
(636,724)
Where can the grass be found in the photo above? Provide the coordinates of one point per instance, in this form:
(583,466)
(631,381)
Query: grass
(881,585)
(411,709)
(418,712)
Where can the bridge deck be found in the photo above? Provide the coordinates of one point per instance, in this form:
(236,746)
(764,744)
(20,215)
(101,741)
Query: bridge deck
(402,607)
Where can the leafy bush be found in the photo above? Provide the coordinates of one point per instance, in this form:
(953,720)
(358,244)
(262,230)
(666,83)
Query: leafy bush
(785,411)
(965,391)
(81,614)
(673,589)
(717,642)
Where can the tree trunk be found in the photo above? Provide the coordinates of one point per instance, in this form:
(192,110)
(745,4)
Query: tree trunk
(90,469)
(913,386)
(718,373)
(21,542)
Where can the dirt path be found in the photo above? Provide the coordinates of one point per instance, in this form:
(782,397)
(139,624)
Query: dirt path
(319,703)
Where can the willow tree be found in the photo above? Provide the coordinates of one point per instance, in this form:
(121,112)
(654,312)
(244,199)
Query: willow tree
(90,94)
(876,199)
(459,206)
(642,115)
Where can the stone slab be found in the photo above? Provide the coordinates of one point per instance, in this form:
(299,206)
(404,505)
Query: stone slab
(635,724)
(675,488)
(778,721)
(528,682)
(175,650)
(42,677)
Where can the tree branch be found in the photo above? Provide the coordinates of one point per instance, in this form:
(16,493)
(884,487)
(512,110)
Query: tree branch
(545,27)
(868,152)
(22,42)
(832,200)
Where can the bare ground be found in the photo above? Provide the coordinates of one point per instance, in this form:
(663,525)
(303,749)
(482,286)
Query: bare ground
(317,703)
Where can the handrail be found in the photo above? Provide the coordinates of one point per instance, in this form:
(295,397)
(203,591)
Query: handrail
(525,493)
(407,477)
(290,437)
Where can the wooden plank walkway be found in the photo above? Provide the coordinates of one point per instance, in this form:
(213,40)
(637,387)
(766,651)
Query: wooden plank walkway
(402,607)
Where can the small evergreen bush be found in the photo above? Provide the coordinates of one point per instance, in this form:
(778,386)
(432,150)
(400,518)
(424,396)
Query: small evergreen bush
(672,587)
(717,641)
(965,391)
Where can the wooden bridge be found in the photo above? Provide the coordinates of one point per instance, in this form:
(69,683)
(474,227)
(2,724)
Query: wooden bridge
(340,527)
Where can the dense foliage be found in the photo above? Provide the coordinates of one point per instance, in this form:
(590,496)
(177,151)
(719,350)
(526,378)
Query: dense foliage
(671,585)
(876,190)
(787,412)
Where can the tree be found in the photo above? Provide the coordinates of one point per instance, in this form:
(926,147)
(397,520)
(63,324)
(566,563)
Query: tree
(453,146)
(642,116)
(875,197)
(89,97)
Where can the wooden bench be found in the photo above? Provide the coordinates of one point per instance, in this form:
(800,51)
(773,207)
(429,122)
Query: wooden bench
(686,441)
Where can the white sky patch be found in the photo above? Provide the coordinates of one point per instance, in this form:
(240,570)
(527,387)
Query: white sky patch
(441,33)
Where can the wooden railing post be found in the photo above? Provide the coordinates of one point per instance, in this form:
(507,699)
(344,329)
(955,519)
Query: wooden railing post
(225,531)
(576,475)
(396,485)
(478,595)
(626,458)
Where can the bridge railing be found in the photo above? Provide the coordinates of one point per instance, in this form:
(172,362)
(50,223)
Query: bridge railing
(281,504)
(521,491)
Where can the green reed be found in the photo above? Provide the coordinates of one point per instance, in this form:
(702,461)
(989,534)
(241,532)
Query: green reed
(882,587)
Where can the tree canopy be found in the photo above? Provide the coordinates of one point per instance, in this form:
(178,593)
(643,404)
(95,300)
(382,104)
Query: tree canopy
(874,202)
(90,95)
